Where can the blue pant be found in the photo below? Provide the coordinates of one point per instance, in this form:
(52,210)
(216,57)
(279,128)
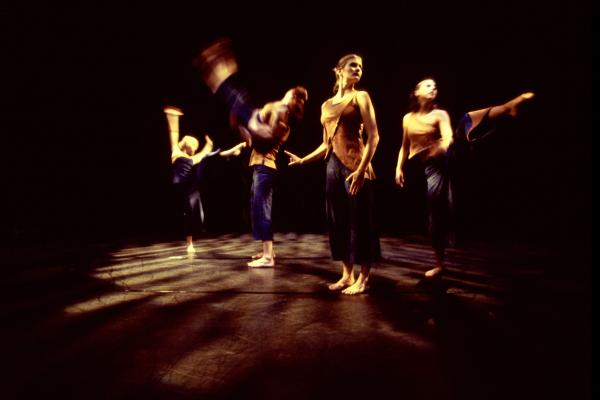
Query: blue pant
(261,202)
(237,100)
(352,225)
(439,200)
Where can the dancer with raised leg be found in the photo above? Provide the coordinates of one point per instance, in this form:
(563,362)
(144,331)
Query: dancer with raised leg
(284,113)
(429,140)
(185,159)
(217,65)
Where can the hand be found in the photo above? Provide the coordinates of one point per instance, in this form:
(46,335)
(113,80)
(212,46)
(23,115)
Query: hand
(436,149)
(234,151)
(209,143)
(237,150)
(400,178)
(357,179)
(294,159)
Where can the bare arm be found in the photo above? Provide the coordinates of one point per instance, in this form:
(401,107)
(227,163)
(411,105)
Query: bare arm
(441,145)
(316,154)
(234,151)
(445,130)
(276,116)
(367,113)
(208,147)
(403,153)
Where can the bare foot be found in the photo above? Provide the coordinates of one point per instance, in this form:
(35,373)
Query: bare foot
(262,262)
(190,249)
(171,110)
(514,104)
(358,287)
(342,283)
(434,272)
(216,63)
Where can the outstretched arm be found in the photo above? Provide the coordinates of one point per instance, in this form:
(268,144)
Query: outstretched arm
(316,154)
(234,151)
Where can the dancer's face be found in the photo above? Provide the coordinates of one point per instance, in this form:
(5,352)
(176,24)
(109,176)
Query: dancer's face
(426,89)
(189,150)
(352,71)
(189,145)
(295,103)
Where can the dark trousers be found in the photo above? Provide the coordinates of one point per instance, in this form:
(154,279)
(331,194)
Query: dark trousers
(439,200)
(353,235)
(237,100)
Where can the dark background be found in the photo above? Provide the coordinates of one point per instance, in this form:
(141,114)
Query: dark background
(86,151)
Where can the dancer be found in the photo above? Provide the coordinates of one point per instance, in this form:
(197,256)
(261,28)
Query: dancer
(283,114)
(428,139)
(350,201)
(185,160)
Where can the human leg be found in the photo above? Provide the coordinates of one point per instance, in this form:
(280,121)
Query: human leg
(261,213)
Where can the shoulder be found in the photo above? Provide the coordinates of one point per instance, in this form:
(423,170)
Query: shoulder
(363,96)
(441,114)
(268,107)
(406,118)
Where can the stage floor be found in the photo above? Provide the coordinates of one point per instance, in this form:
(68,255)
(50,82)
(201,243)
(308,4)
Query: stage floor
(145,320)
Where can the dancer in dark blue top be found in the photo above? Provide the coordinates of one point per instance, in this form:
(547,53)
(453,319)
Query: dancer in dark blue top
(187,162)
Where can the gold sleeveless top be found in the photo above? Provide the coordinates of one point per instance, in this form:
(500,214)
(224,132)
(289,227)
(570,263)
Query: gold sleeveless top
(268,158)
(343,132)
(422,135)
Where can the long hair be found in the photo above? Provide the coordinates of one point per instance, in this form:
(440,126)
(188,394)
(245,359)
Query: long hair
(413,101)
(341,64)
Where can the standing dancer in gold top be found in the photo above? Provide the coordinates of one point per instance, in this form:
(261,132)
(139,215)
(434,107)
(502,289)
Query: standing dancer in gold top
(350,200)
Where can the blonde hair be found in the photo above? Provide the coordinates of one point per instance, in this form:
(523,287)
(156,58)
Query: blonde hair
(189,141)
(341,64)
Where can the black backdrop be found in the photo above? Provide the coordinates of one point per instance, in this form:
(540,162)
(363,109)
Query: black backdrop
(86,151)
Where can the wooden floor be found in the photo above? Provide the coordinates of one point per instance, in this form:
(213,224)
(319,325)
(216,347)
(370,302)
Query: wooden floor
(147,321)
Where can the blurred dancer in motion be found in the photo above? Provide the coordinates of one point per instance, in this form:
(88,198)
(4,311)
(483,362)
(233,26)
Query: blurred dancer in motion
(282,115)
(186,161)
(217,65)
(264,129)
